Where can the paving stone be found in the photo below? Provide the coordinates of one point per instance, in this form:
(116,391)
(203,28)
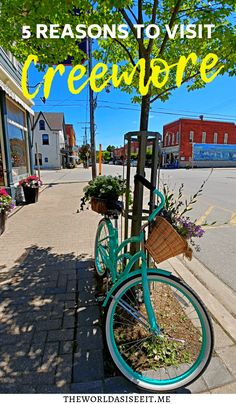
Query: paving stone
(221,338)
(89,315)
(85,283)
(64,371)
(52,324)
(226,389)
(198,386)
(71,286)
(52,389)
(86,273)
(87,298)
(65,296)
(9,339)
(66,347)
(39,337)
(88,365)
(51,348)
(119,385)
(68,320)
(61,335)
(217,374)
(90,337)
(54,290)
(70,304)
(228,356)
(87,388)
(37,378)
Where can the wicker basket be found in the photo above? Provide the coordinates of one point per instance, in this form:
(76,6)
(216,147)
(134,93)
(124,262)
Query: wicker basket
(106,206)
(164,242)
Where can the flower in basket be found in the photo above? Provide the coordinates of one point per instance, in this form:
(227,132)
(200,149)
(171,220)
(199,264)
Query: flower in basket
(32,181)
(175,212)
(103,193)
(105,187)
(6,203)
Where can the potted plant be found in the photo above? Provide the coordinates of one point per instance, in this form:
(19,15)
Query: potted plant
(174,232)
(103,193)
(30,187)
(6,205)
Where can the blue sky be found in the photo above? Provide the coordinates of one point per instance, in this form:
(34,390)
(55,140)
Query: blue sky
(115,114)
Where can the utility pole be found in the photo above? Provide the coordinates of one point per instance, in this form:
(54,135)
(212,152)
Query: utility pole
(91,105)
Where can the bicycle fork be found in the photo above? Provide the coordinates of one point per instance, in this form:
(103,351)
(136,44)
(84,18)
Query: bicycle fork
(147,300)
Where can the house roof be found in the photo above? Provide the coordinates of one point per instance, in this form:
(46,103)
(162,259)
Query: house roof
(55,120)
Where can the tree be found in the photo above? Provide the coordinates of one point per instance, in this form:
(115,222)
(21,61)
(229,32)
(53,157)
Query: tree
(110,148)
(127,52)
(84,152)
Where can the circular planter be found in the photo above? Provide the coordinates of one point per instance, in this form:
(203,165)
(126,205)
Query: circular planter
(3,218)
(31,194)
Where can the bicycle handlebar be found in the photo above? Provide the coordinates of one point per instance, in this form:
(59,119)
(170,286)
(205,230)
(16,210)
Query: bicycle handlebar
(144,181)
(147,184)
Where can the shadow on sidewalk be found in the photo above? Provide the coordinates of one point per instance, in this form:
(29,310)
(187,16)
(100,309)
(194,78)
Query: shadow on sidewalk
(38,311)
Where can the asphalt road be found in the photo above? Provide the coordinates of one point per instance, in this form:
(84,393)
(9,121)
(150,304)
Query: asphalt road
(216,204)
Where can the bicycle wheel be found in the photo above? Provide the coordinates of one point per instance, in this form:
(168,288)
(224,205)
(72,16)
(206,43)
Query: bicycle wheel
(102,240)
(182,350)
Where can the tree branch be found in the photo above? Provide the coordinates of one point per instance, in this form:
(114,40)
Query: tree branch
(153,20)
(126,50)
(140,12)
(142,50)
(172,20)
(174,87)
(132,13)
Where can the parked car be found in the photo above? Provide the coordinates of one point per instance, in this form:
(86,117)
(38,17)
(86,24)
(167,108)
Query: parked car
(133,163)
(119,163)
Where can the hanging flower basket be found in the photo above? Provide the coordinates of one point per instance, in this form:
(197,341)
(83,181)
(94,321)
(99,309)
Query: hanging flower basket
(106,206)
(165,242)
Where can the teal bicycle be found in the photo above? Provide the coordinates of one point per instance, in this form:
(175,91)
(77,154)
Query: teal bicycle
(158,331)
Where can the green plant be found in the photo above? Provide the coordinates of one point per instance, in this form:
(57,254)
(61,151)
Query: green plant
(105,187)
(32,181)
(175,210)
(6,203)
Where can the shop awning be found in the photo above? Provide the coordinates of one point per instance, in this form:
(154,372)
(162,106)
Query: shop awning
(15,97)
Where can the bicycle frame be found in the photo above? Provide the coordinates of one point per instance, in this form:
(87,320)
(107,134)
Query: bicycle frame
(115,255)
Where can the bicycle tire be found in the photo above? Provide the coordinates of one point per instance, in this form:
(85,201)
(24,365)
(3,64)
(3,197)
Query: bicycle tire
(103,231)
(152,362)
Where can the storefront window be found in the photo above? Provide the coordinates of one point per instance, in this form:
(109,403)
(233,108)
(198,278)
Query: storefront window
(1,166)
(17,137)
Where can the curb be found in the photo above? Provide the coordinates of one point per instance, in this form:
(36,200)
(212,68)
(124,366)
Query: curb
(214,304)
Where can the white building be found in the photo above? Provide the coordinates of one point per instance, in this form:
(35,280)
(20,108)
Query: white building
(49,134)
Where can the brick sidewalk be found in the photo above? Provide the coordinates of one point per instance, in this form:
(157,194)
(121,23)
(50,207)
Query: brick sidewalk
(50,330)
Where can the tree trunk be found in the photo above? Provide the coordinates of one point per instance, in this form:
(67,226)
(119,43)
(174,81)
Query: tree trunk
(138,188)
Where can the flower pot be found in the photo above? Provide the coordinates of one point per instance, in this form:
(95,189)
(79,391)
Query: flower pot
(31,194)
(106,206)
(2,221)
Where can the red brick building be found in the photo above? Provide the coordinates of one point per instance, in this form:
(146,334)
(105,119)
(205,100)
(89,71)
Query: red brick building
(71,142)
(181,137)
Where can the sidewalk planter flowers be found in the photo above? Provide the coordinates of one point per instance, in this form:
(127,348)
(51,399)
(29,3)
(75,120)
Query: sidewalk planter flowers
(30,187)
(6,205)
(173,232)
(103,193)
